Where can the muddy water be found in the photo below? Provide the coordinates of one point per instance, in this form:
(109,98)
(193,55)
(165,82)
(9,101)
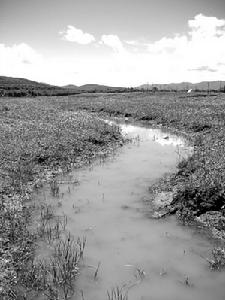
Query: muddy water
(151,259)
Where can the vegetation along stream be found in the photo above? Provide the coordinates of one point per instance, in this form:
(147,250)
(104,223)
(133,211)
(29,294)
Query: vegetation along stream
(130,254)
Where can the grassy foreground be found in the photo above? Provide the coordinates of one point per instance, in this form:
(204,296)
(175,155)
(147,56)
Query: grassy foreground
(199,185)
(38,138)
(41,135)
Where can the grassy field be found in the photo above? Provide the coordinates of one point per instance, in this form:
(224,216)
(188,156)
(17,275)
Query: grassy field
(48,134)
(39,138)
(200,180)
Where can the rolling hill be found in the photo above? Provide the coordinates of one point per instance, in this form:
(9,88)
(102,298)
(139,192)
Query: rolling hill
(100,88)
(70,87)
(20,87)
(94,88)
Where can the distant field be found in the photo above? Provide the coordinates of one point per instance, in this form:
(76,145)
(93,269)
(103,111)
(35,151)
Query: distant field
(192,112)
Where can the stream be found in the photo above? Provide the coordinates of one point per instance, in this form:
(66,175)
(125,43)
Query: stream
(148,258)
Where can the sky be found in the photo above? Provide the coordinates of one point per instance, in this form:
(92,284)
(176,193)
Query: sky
(113,42)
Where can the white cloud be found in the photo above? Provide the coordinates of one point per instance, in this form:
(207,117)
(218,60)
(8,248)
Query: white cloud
(18,60)
(195,56)
(73,34)
(206,27)
(133,43)
(113,42)
(21,53)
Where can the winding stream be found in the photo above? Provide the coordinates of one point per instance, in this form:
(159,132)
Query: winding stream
(151,259)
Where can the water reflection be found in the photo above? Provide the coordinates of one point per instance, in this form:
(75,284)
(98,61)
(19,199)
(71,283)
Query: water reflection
(156,135)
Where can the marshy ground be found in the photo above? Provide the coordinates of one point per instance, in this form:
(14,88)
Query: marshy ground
(126,247)
(46,136)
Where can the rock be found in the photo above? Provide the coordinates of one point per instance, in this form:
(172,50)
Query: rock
(163,199)
(160,214)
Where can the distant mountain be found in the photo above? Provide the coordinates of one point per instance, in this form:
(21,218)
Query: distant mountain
(93,87)
(70,86)
(12,81)
(20,87)
(201,86)
(97,88)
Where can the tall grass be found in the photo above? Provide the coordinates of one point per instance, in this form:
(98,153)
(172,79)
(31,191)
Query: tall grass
(117,293)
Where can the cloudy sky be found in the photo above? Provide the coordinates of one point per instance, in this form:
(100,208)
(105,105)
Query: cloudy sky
(113,42)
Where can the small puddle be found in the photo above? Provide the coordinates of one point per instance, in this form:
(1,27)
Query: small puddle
(151,259)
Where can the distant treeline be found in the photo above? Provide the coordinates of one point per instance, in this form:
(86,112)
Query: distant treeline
(222,90)
(27,91)
(32,91)
(20,87)
(203,86)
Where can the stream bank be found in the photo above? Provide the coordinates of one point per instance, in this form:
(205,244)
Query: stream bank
(128,250)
